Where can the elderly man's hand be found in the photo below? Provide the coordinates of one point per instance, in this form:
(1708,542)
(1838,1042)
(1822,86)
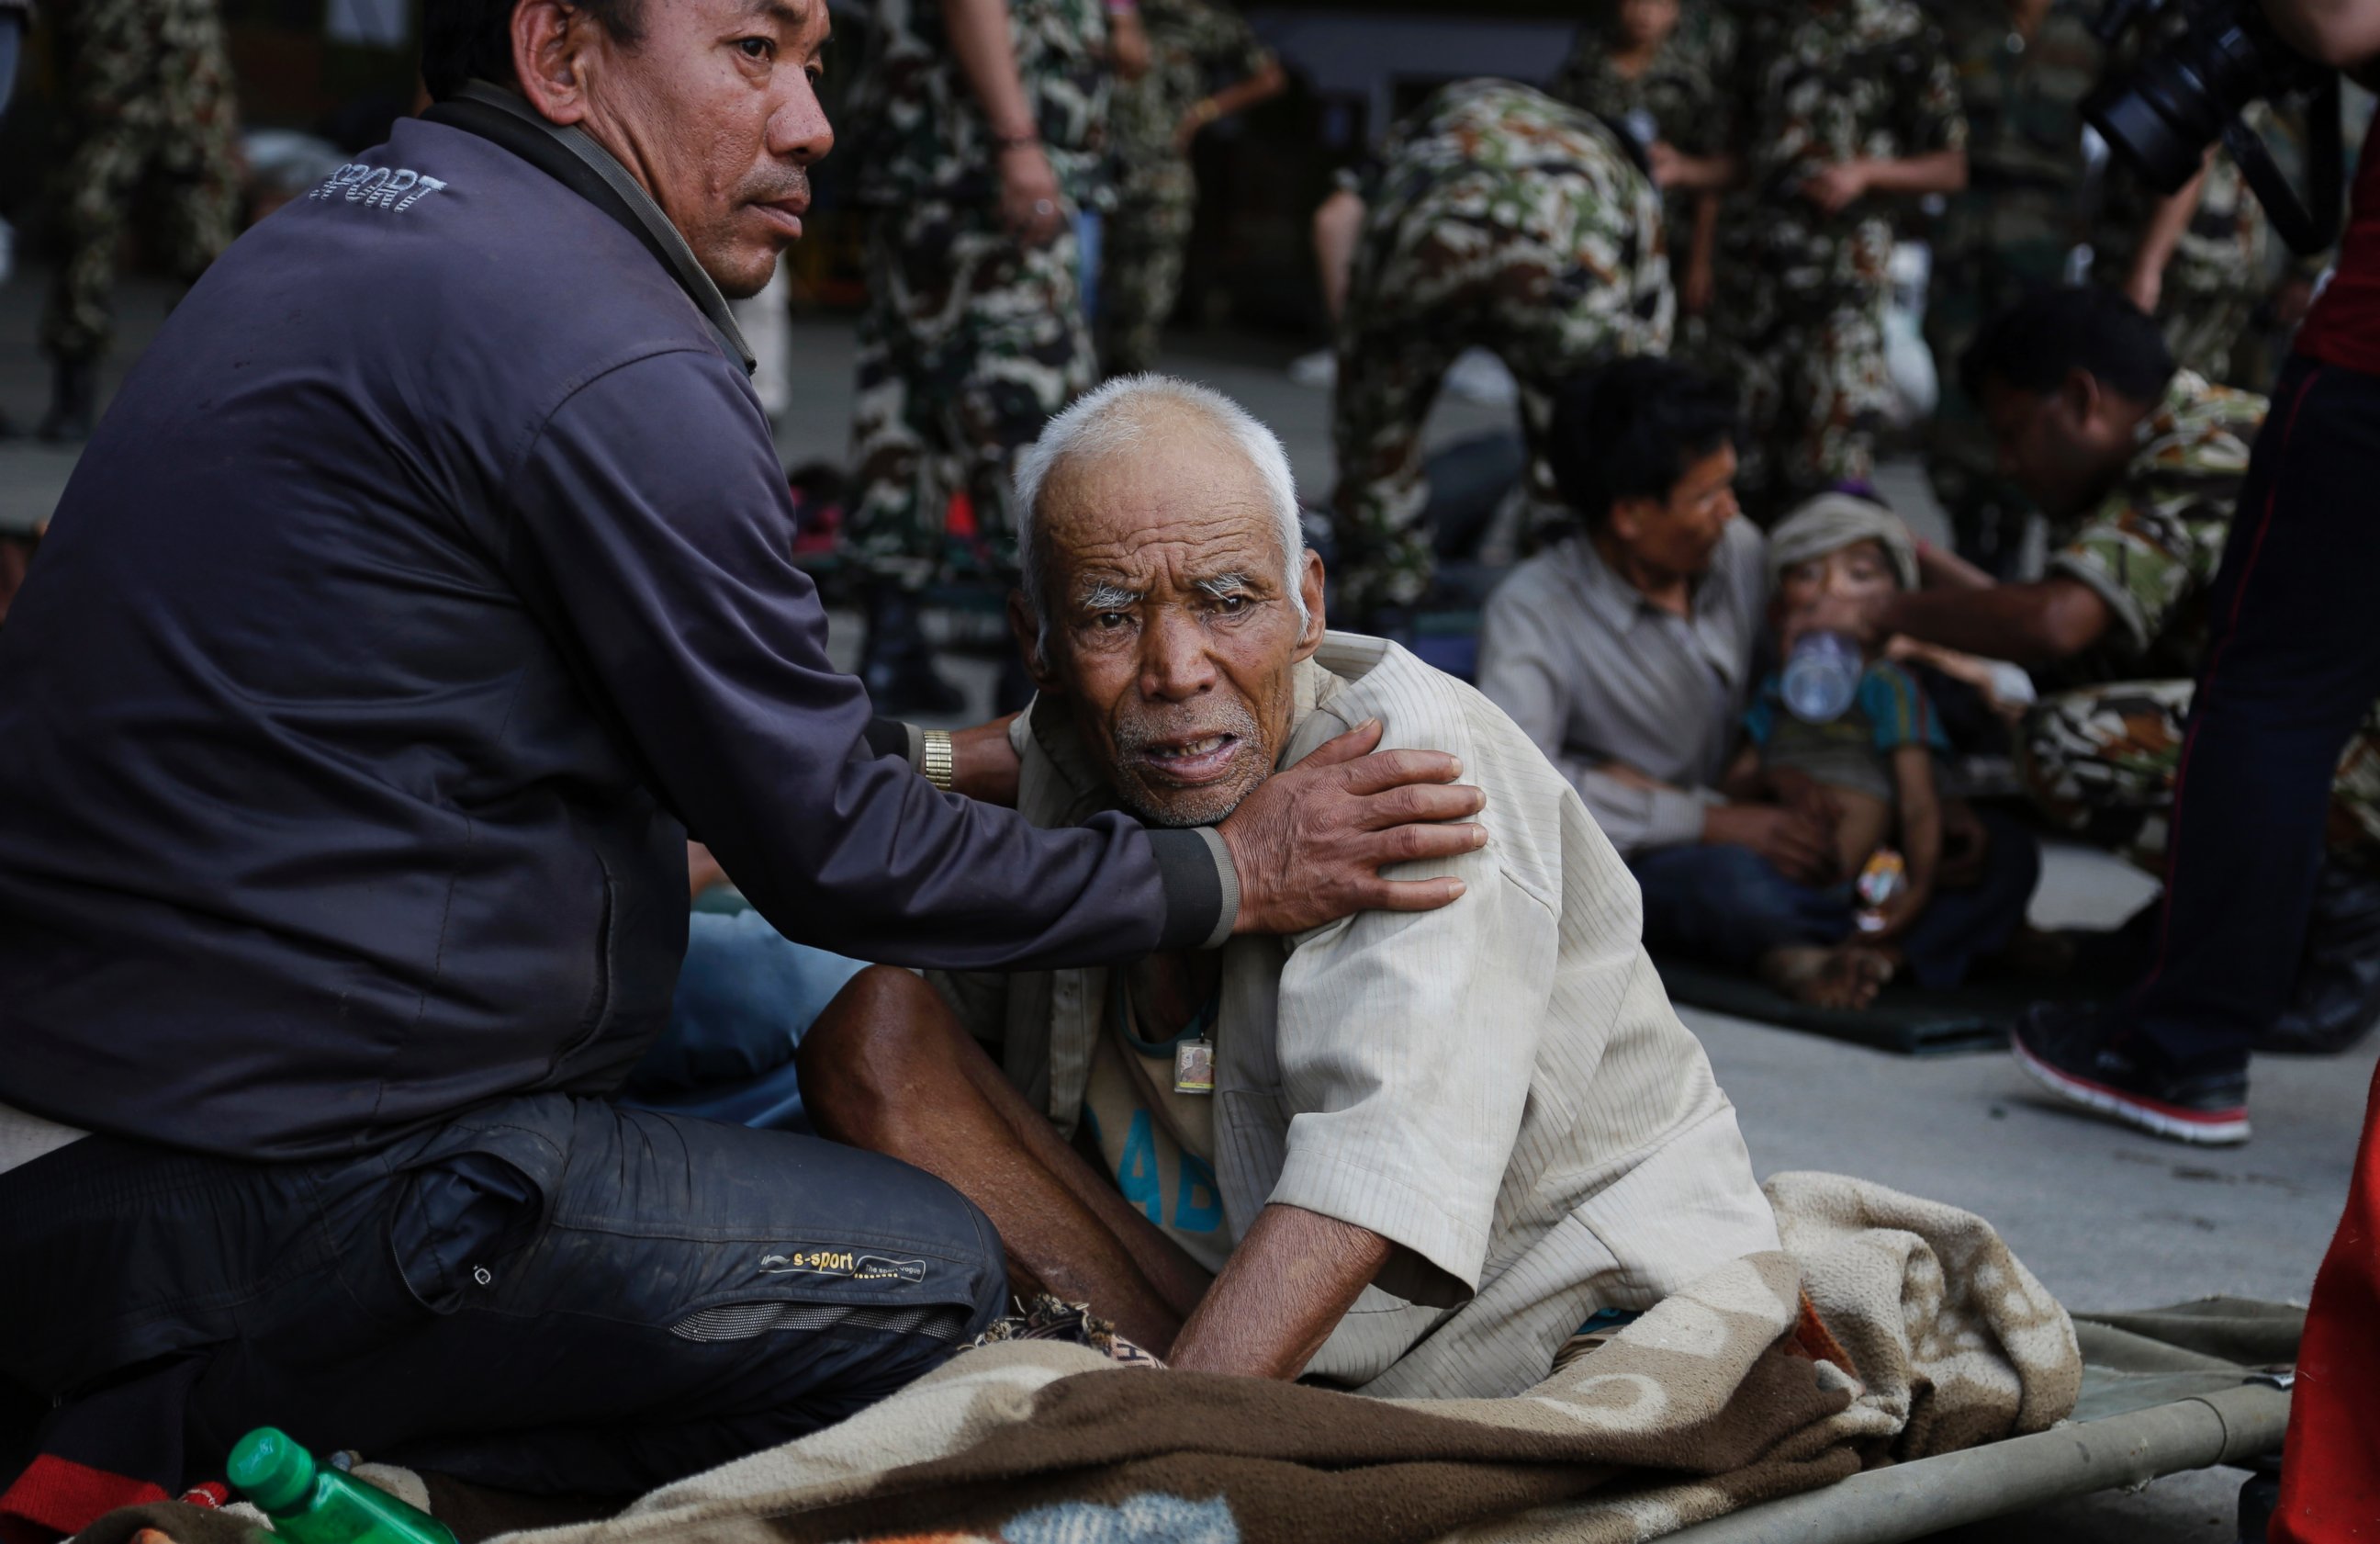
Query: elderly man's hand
(1310,842)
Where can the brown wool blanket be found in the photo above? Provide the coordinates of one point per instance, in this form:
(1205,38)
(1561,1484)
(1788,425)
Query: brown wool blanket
(1887,1329)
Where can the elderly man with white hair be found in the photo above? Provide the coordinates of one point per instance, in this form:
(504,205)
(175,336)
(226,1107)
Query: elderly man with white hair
(1412,1154)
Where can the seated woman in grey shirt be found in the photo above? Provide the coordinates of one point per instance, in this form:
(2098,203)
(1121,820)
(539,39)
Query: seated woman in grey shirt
(1625,653)
(1411,1153)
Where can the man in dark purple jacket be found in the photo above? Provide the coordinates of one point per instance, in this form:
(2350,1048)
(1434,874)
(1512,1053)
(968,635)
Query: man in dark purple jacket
(425,586)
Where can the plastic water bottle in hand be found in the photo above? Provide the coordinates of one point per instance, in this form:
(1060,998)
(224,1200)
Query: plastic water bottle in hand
(1822,677)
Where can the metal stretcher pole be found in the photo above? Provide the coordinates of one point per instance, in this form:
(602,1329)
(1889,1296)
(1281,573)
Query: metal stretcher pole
(1909,1500)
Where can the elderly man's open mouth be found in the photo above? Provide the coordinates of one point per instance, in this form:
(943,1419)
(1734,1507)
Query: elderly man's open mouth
(1188,761)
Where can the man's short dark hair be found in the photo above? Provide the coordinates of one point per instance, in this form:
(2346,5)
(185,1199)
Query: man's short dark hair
(2031,346)
(461,38)
(1632,429)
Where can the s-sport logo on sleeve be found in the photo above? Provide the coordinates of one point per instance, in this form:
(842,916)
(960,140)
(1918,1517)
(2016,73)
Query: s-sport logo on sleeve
(398,187)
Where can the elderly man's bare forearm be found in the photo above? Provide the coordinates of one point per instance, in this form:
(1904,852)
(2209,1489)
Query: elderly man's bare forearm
(1289,1283)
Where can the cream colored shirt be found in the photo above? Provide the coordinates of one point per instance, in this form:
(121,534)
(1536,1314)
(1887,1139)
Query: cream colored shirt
(1499,1087)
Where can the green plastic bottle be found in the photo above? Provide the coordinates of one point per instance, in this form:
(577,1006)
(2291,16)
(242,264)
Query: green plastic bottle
(309,1504)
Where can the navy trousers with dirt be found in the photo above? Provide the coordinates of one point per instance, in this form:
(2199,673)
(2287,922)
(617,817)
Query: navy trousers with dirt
(1727,906)
(549,1294)
(2292,666)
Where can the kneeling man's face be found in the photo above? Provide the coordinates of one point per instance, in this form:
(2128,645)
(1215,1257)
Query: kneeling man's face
(1171,631)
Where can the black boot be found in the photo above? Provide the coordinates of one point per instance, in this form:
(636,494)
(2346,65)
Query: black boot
(74,402)
(2337,997)
(897,663)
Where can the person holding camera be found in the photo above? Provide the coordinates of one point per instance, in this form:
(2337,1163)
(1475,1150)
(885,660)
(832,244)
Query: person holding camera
(2292,665)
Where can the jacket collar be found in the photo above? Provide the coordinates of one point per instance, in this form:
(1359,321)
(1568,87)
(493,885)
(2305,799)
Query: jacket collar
(573,157)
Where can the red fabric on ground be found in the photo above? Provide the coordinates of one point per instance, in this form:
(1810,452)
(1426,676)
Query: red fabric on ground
(2330,1469)
(56,1496)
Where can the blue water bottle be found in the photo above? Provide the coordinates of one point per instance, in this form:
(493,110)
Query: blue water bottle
(1822,677)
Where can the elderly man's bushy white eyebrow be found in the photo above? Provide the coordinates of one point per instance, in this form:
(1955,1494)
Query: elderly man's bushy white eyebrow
(1108,595)
(1224,584)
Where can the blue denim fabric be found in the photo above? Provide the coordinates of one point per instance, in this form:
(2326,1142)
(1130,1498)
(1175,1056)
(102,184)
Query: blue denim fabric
(1726,905)
(745,996)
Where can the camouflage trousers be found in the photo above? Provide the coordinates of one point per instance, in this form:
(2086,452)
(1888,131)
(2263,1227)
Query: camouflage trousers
(1411,312)
(1140,266)
(2100,762)
(149,124)
(1813,390)
(968,344)
(2204,328)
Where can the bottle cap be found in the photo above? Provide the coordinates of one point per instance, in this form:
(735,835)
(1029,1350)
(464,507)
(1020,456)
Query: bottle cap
(269,1469)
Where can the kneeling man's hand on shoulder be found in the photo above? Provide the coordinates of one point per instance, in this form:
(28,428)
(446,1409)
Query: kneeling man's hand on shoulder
(1310,842)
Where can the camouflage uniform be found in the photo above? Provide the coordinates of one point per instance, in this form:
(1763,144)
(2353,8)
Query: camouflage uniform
(1683,94)
(970,340)
(2099,757)
(149,104)
(2222,265)
(1497,217)
(2012,231)
(1194,44)
(1804,329)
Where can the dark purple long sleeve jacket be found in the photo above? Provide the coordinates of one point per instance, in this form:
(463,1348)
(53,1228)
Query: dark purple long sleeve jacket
(425,585)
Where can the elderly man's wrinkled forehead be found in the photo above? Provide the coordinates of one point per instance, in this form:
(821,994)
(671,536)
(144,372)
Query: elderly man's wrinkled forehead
(1162,490)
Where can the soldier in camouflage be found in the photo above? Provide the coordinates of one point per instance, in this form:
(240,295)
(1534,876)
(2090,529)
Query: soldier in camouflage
(1661,70)
(2138,466)
(974,332)
(2099,757)
(149,106)
(1494,217)
(1847,106)
(1204,65)
(2200,260)
(2022,68)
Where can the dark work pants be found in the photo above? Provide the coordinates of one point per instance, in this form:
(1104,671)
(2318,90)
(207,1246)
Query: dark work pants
(2293,665)
(1726,905)
(551,1295)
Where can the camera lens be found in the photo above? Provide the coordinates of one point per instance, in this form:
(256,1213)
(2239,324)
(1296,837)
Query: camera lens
(2176,102)
(2163,119)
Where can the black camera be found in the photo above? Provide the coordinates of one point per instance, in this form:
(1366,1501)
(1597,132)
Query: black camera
(2187,92)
